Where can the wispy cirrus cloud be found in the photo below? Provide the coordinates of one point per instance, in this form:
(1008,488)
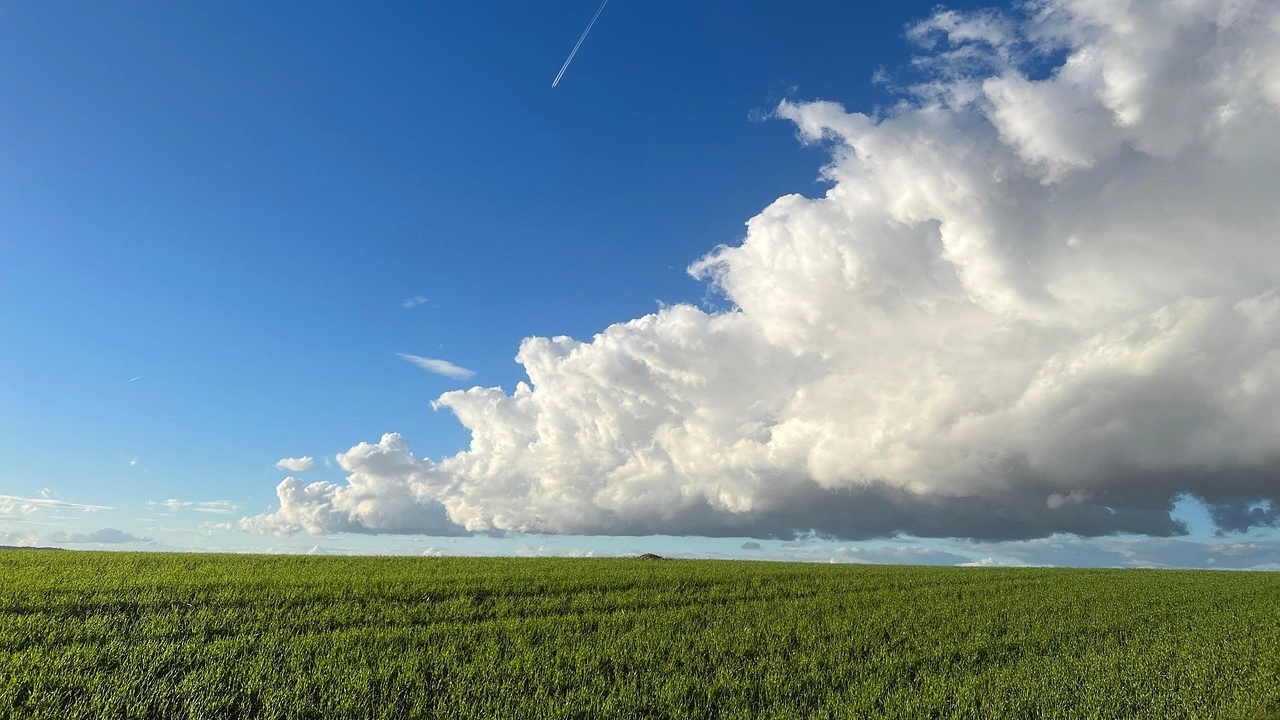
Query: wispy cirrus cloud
(438,366)
(12,503)
(222,507)
(413,302)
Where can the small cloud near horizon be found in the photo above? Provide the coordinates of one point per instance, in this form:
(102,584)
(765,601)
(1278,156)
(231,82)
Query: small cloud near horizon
(104,536)
(439,367)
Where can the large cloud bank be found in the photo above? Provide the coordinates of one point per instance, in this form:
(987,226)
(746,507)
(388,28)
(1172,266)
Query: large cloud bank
(1040,296)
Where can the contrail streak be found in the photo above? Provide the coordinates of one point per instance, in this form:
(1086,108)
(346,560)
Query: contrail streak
(575,47)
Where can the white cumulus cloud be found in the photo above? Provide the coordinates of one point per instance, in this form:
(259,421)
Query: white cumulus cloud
(379,496)
(298,464)
(437,366)
(1029,303)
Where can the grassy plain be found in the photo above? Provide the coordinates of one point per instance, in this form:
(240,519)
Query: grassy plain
(113,635)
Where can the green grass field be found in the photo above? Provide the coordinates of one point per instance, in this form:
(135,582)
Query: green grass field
(104,635)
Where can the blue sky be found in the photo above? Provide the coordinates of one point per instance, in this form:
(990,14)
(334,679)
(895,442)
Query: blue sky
(223,227)
(233,204)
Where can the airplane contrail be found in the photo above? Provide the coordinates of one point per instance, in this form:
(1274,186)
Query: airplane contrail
(575,47)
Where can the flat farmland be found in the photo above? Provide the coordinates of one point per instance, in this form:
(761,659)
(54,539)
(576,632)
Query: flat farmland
(116,635)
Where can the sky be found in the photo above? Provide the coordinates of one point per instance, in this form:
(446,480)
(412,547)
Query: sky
(824,281)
